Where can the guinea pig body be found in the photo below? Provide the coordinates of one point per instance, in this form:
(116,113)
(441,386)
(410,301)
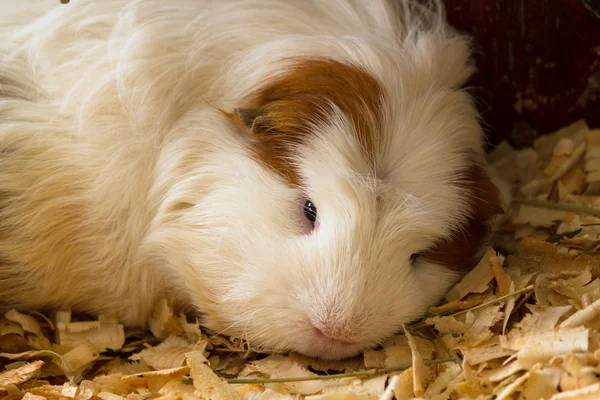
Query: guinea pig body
(306,175)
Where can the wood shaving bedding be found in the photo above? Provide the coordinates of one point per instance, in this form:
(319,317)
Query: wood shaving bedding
(523,325)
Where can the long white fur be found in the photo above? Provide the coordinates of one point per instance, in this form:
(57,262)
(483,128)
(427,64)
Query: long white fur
(120,182)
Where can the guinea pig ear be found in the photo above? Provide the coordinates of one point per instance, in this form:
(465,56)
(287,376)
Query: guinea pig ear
(252,120)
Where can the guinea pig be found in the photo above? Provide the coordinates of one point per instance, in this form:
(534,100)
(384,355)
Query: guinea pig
(307,175)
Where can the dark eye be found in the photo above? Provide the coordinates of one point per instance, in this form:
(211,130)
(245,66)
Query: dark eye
(415,258)
(310,211)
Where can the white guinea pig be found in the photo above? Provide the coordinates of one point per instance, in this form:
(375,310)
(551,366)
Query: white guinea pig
(308,175)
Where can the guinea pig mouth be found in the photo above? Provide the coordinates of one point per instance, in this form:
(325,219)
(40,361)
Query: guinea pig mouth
(329,350)
(320,345)
(322,337)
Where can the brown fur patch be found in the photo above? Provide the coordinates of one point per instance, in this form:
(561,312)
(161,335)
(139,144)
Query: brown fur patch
(464,250)
(284,109)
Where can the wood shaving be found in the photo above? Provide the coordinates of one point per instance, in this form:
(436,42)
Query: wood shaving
(475,281)
(502,278)
(104,334)
(397,351)
(417,366)
(19,375)
(509,307)
(403,387)
(171,353)
(208,385)
(28,323)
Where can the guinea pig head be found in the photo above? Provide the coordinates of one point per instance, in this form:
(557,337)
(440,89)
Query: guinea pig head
(374,203)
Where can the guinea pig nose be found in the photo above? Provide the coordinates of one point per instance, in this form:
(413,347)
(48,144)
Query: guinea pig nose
(332,335)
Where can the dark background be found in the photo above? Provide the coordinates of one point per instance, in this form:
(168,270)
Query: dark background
(538,63)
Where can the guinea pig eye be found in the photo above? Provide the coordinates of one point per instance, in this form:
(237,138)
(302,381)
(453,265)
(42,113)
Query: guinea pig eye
(415,258)
(310,211)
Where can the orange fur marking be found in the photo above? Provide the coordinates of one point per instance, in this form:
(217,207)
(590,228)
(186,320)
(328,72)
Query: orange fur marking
(289,106)
(461,252)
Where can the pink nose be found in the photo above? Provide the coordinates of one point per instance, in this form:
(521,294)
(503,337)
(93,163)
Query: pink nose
(333,335)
